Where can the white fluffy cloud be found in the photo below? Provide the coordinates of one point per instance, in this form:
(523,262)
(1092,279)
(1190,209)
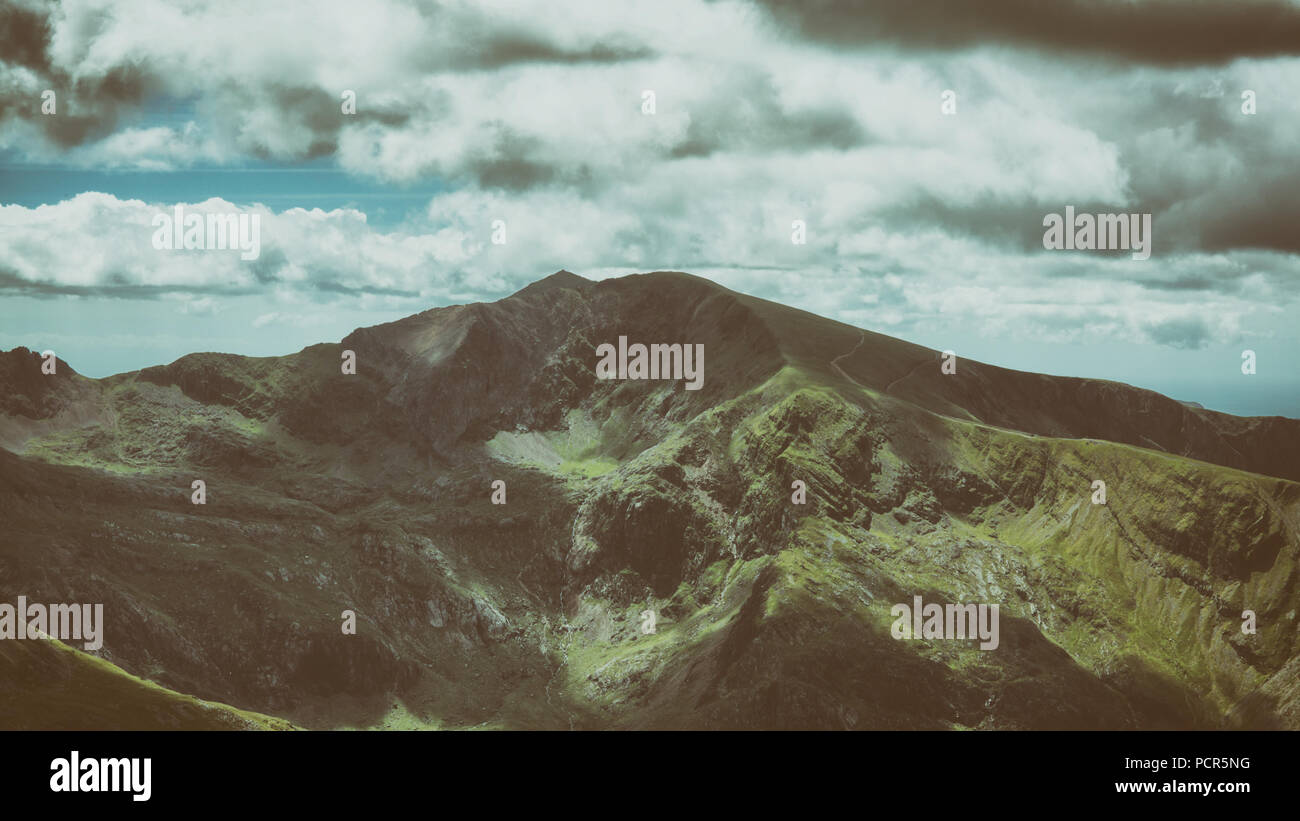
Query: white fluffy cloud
(906,282)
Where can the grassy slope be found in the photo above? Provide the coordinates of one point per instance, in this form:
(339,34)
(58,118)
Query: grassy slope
(50,686)
(1149,632)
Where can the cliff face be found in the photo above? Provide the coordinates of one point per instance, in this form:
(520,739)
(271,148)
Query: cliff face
(373,493)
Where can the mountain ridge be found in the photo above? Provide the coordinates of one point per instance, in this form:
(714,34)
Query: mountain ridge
(1264,444)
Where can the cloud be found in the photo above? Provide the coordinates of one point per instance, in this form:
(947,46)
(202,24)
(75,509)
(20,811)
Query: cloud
(1149,31)
(1189,333)
(482,96)
(918,280)
(97,245)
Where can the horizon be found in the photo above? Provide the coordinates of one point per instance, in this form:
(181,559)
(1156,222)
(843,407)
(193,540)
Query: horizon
(1265,393)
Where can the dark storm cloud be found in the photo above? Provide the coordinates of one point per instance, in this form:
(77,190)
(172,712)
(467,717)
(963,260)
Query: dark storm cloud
(1243,217)
(87,106)
(511,173)
(24,35)
(512,48)
(477,41)
(1238,192)
(1241,191)
(509,161)
(1166,32)
(313,110)
(118,285)
(1258,213)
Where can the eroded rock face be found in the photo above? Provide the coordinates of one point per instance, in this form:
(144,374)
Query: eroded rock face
(651,529)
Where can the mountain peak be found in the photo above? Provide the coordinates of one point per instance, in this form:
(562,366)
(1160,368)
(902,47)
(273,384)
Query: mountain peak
(559,279)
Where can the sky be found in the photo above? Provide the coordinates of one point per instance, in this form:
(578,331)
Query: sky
(920,142)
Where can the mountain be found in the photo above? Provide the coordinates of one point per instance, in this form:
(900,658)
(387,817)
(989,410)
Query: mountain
(372,492)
